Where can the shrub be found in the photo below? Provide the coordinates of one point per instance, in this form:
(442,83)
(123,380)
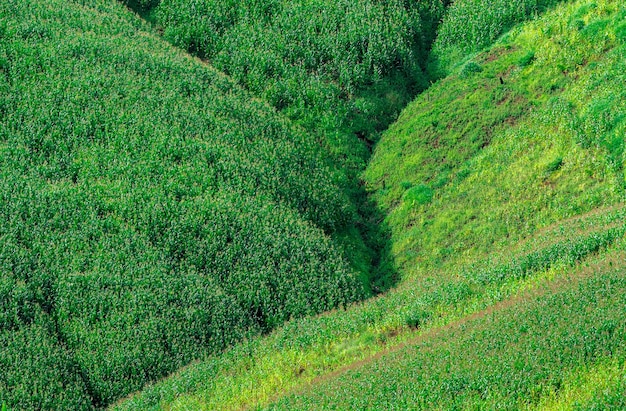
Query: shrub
(554,165)
(527,59)
(470,68)
(419,195)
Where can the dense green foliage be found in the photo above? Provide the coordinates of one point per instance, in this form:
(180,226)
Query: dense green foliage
(525,352)
(470,25)
(343,69)
(153,212)
(500,183)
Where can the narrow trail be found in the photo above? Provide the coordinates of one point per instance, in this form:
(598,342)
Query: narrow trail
(577,274)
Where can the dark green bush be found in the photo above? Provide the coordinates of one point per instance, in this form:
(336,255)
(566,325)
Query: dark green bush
(527,59)
(421,194)
(141,5)
(554,165)
(470,68)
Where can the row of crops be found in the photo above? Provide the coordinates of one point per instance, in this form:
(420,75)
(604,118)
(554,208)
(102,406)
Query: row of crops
(342,69)
(542,351)
(590,245)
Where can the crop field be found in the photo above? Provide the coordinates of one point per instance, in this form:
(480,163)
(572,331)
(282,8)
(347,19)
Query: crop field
(218,205)
(526,349)
(307,351)
(316,61)
(153,211)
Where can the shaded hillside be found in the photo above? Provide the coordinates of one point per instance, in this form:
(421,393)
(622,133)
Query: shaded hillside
(342,70)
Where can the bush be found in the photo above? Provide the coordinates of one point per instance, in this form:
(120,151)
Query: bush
(527,59)
(420,195)
(470,68)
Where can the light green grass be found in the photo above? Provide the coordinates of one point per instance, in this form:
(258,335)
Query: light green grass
(488,150)
(599,385)
(506,358)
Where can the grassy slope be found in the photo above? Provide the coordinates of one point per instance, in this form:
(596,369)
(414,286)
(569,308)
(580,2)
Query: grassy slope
(313,349)
(501,160)
(480,180)
(514,356)
(513,158)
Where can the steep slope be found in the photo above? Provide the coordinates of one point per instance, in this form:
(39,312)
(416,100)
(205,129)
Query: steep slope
(503,185)
(513,356)
(471,25)
(531,131)
(152,211)
(520,137)
(342,70)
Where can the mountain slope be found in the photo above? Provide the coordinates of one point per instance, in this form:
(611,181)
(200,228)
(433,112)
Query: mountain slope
(521,137)
(503,186)
(153,212)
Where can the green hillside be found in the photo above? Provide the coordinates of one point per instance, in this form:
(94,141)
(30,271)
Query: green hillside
(502,185)
(153,211)
(367,204)
(342,70)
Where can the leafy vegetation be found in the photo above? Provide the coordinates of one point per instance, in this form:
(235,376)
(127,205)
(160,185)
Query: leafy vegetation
(502,206)
(158,213)
(524,352)
(470,25)
(309,349)
(343,69)
(153,212)
(342,80)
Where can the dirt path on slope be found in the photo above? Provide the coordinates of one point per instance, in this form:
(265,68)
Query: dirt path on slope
(577,274)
